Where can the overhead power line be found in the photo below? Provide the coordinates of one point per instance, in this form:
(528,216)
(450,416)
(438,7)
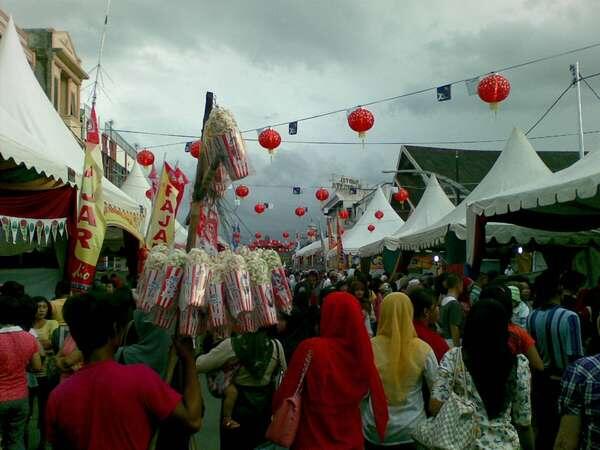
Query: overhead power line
(433,88)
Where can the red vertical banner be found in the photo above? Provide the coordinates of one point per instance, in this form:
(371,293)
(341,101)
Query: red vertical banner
(340,246)
(91,225)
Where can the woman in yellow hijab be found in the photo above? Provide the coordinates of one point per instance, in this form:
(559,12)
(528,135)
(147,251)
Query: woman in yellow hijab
(404,362)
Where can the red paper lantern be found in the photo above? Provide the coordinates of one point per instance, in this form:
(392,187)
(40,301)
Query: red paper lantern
(379,215)
(361,120)
(149,194)
(242,191)
(344,214)
(269,139)
(145,158)
(371,228)
(260,208)
(493,89)
(311,233)
(285,235)
(257,235)
(195,148)
(322,194)
(300,211)
(401,196)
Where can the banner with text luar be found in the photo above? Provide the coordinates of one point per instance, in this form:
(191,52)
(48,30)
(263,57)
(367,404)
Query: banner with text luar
(161,229)
(91,224)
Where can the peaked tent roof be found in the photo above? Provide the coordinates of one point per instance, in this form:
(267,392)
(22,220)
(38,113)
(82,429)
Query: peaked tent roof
(32,132)
(311,249)
(566,200)
(517,163)
(434,205)
(359,238)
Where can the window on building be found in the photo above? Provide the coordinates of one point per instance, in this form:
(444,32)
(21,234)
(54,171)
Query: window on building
(55,93)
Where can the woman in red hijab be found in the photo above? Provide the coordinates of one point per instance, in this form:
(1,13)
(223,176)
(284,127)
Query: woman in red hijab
(342,372)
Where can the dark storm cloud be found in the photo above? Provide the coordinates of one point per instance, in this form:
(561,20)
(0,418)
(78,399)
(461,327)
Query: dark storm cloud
(273,61)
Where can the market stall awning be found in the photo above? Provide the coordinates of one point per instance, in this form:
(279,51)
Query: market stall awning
(32,133)
(517,164)
(567,200)
(309,250)
(359,238)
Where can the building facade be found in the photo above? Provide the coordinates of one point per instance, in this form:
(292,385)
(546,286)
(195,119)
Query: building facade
(59,72)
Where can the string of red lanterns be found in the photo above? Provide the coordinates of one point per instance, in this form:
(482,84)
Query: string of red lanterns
(322,194)
(493,89)
(145,158)
(242,191)
(269,139)
(401,196)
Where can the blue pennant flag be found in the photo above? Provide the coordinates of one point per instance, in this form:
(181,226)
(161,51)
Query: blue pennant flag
(296,190)
(293,128)
(444,93)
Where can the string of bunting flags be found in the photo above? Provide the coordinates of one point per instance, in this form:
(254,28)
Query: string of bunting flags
(28,229)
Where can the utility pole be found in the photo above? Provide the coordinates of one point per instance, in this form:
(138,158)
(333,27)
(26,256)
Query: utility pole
(577,80)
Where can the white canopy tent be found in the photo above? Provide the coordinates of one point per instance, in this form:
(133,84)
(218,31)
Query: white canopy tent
(566,200)
(309,250)
(434,205)
(31,131)
(517,164)
(359,240)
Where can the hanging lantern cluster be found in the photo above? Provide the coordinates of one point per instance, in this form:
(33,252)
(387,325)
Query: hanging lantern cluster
(379,215)
(361,120)
(322,194)
(259,208)
(269,139)
(242,191)
(401,196)
(145,158)
(300,211)
(493,89)
(371,228)
(344,214)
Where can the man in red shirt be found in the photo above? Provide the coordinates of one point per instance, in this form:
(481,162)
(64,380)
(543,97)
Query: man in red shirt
(106,405)
(426,315)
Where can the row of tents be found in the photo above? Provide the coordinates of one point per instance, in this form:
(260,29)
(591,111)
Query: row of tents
(41,158)
(520,201)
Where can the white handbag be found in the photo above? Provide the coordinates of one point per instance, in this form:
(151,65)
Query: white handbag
(455,427)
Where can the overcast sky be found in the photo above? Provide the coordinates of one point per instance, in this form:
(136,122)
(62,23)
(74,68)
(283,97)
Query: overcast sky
(275,61)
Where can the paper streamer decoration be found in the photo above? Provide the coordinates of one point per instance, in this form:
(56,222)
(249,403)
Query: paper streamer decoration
(44,230)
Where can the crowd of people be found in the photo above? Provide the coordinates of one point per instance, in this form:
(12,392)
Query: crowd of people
(375,360)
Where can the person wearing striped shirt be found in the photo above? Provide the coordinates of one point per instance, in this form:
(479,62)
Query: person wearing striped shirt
(557,333)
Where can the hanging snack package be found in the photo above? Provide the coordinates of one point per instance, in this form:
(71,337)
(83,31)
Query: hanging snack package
(265,313)
(165,318)
(217,318)
(237,284)
(226,140)
(151,280)
(191,322)
(195,279)
(172,280)
(281,288)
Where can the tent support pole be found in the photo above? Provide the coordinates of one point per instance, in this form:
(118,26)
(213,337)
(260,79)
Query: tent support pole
(577,80)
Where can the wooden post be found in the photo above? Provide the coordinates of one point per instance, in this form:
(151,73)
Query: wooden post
(201,171)
(197,198)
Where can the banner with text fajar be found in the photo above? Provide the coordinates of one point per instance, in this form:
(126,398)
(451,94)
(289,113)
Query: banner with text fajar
(91,224)
(161,229)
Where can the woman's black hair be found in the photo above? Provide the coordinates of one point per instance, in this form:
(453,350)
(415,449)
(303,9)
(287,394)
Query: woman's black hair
(439,284)
(94,318)
(501,294)
(487,355)
(10,310)
(421,299)
(40,299)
